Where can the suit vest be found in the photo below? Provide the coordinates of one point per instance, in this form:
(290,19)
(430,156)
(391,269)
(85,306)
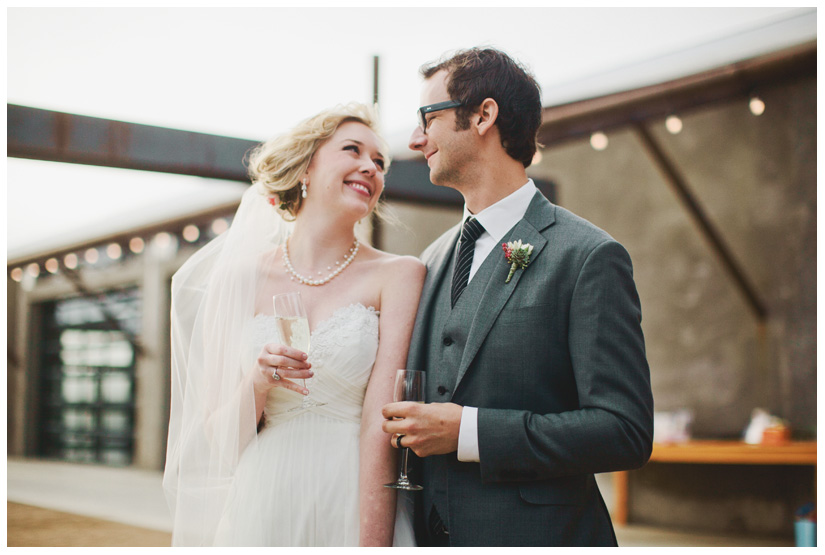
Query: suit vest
(449,329)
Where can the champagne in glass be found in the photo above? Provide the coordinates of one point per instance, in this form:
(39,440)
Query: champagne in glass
(293,329)
(409,386)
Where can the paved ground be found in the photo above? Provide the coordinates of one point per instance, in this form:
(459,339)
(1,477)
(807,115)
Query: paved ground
(61,504)
(37,527)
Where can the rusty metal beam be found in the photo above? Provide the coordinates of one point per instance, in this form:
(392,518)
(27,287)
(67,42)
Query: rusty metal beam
(679,185)
(60,137)
(575,120)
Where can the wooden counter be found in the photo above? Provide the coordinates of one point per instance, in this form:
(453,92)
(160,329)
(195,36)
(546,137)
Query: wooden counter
(716,452)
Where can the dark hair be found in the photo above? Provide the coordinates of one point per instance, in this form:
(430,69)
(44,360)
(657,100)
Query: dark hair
(479,73)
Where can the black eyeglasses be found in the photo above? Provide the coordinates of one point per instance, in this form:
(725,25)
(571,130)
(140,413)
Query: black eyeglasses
(437,107)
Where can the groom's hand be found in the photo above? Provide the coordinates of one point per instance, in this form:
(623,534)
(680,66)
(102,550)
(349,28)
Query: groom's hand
(427,429)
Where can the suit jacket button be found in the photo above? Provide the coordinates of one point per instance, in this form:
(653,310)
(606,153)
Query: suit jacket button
(448,341)
(442,390)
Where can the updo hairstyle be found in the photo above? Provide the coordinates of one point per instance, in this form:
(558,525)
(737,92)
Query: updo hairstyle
(277,166)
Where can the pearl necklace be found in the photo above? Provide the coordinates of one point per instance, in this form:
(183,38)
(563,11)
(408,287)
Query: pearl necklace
(339,267)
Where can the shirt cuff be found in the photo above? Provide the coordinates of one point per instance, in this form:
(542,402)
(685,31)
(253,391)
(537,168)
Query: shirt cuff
(468,435)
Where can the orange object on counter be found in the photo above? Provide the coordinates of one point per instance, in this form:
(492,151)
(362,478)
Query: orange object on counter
(776,435)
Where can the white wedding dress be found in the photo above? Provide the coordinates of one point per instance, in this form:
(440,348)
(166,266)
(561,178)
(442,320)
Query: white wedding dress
(300,486)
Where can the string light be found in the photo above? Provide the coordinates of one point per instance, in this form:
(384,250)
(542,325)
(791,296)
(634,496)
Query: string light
(673,124)
(757,106)
(219,226)
(162,240)
(136,245)
(598,141)
(191,233)
(114,251)
(91,256)
(167,242)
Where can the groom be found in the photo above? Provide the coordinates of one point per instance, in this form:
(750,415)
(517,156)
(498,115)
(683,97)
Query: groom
(536,380)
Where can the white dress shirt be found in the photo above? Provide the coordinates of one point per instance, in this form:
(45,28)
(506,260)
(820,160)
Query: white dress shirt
(497,220)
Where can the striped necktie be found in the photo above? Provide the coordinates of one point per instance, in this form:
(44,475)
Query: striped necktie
(467,244)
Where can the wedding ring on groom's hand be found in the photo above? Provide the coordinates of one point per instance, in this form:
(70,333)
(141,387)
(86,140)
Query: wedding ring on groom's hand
(275,375)
(398,441)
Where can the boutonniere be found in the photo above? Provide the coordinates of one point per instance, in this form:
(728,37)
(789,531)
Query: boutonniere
(517,255)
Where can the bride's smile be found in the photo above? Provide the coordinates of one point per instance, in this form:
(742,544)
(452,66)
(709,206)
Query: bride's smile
(359,186)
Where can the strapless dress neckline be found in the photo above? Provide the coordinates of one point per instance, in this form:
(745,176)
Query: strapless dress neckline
(335,314)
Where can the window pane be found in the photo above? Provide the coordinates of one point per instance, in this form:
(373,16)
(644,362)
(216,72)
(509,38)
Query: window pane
(116,387)
(79,455)
(121,354)
(78,389)
(116,421)
(116,457)
(78,420)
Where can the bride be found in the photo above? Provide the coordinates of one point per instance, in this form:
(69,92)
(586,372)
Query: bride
(246,463)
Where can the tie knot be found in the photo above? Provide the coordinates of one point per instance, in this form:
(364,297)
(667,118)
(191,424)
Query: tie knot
(472,230)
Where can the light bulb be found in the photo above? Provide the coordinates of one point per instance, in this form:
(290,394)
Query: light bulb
(757,106)
(219,226)
(114,251)
(673,124)
(70,261)
(191,233)
(598,140)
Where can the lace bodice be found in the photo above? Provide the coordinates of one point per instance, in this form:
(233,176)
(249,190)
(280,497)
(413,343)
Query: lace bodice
(342,352)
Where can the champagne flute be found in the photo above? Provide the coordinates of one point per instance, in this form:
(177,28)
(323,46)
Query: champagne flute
(293,329)
(409,386)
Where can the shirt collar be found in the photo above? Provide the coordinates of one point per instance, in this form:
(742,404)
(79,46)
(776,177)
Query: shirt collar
(499,218)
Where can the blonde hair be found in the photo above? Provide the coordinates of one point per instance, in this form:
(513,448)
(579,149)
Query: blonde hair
(277,166)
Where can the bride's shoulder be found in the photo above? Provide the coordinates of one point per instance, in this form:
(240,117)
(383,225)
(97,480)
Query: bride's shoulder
(398,263)
(399,280)
(393,268)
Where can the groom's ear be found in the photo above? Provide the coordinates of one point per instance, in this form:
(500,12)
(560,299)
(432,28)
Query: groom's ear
(485,116)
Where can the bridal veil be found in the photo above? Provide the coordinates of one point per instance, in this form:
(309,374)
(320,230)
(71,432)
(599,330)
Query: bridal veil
(212,414)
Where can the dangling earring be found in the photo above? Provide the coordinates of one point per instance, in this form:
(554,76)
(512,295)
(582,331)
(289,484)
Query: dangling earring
(304,188)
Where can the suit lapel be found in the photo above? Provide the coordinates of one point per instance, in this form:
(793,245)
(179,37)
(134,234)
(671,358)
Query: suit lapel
(540,215)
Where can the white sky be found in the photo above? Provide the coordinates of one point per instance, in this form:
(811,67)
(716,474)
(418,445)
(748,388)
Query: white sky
(252,73)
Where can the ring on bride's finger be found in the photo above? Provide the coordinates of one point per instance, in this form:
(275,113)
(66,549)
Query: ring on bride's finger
(398,441)
(275,375)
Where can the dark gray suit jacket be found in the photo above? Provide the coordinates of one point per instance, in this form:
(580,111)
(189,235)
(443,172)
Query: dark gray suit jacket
(555,362)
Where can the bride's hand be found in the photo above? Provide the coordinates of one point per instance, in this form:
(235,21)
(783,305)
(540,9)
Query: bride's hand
(290,364)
